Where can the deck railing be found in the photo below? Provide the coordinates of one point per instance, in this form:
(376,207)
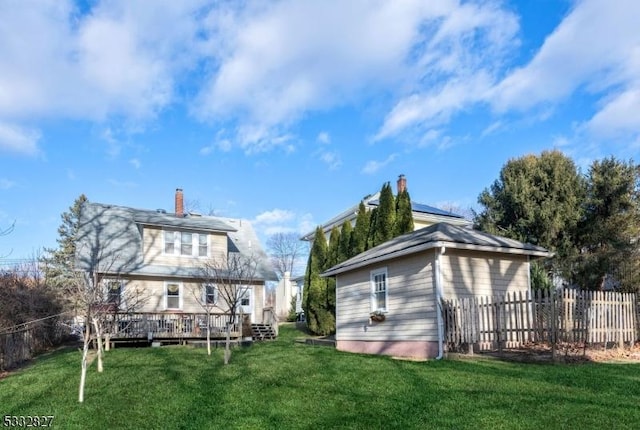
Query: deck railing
(143,325)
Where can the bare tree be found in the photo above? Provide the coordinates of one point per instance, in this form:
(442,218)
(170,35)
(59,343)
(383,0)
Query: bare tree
(234,277)
(207,296)
(6,231)
(285,251)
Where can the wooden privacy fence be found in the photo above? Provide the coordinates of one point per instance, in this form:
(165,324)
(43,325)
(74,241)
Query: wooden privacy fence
(591,317)
(22,342)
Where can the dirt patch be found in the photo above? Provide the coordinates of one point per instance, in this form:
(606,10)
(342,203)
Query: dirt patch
(565,353)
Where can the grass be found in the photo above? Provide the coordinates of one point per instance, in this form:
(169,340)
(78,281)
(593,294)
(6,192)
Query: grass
(283,384)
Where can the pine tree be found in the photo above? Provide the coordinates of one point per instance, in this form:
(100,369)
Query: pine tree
(318,297)
(334,248)
(537,199)
(385,217)
(58,263)
(361,231)
(609,231)
(345,251)
(404,214)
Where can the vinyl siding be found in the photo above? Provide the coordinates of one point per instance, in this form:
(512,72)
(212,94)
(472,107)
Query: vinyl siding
(473,273)
(411,302)
(153,294)
(153,249)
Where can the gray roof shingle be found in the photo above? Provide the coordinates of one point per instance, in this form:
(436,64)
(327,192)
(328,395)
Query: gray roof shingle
(433,236)
(112,236)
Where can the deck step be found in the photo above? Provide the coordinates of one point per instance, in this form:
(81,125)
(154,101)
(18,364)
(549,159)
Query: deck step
(262,332)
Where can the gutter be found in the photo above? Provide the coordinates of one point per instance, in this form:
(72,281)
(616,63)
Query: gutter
(438,252)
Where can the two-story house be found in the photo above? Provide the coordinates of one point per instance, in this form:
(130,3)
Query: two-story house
(157,268)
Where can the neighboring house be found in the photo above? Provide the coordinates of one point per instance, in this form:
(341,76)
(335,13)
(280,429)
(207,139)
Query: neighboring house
(404,279)
(160,256)
(423,215)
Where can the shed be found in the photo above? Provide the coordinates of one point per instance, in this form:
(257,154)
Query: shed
(403,280)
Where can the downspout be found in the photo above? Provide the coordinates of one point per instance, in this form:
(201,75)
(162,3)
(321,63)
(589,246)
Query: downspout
(439,294)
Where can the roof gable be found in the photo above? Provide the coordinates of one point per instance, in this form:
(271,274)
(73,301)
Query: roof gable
(434,236)
(111,236)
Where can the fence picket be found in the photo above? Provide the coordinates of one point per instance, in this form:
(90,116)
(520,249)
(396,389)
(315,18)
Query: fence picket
(592,317)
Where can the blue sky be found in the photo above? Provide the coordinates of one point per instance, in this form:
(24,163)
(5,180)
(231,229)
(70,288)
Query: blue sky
(288,112)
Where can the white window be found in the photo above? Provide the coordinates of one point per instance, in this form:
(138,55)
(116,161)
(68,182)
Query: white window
(203,245)
(114,291)
(379,290)
(209,294)
(173,295)
(169,242)
(186,243)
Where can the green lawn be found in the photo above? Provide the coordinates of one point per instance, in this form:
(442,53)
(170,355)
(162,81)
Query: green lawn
(283,384)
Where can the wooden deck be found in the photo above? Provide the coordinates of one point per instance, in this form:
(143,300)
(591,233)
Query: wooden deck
(150,326)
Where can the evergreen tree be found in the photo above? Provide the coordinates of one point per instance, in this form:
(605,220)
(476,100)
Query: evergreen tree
(537,199)
(609,232)
(404,214)
(334,248)
(345,251)
(371,232)
(318,297)
(360,231)
(58,264)
(385,217)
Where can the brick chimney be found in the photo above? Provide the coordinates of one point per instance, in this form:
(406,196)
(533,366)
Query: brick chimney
(179,203)
(402,183)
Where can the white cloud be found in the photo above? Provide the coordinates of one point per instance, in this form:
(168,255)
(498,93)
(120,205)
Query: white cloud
(6,184)
(135,163)
(595,50)
(324,138)
(331,159)
(373,166)
(18,139)
(281,61)
(118,59)
(274,216)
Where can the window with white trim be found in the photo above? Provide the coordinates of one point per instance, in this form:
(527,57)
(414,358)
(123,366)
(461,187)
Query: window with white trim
(169,242)
(209,294)
(203,245)
(114,291)
(379,290)
(186,243)
(173,295)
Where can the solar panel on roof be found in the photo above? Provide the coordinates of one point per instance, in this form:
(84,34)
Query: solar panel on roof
(419,207)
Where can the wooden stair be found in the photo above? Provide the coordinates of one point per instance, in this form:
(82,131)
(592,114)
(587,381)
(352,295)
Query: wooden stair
(262,332)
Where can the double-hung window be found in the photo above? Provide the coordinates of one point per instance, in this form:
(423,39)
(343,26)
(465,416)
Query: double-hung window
(379,290)
(114,292)
(169,242)
(203,245)
(209,294)
(186,243)
(173,295)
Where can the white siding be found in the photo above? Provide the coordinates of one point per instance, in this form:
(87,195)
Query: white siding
(153,249)
(152,292)
(474,273)
(411,302)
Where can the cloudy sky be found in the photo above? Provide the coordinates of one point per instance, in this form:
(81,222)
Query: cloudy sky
(288,112)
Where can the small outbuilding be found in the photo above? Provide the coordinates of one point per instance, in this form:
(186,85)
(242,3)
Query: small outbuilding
(388,298)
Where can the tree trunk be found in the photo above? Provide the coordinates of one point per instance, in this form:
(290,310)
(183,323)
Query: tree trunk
(83,364)
(208,335)
(227,346)
(96,324)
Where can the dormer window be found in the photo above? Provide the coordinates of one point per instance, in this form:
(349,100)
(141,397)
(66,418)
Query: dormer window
(186,243)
